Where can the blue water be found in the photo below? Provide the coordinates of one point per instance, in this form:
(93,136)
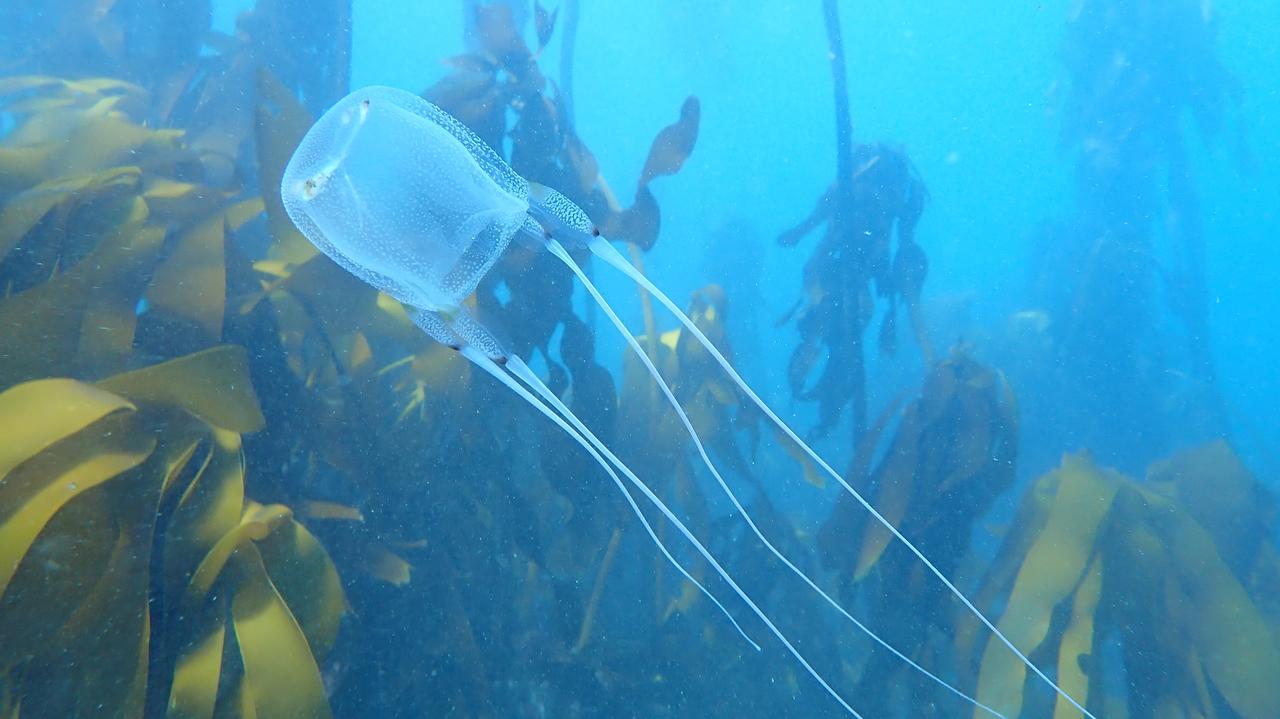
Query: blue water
(973,93)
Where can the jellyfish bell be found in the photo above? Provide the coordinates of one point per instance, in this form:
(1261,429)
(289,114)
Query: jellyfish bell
(384,184)
(409,200)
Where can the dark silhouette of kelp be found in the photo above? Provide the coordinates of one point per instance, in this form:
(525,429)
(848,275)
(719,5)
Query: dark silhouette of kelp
(1132,256)
(951,456)
(877,196)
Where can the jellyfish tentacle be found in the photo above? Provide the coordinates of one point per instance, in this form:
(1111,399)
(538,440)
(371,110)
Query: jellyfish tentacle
(559,251)
(602,249)
(520,369)
(486,363)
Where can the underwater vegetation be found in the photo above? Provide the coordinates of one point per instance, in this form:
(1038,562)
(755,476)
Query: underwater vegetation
(877,198)
(1151,597)
(137,574)
(237,481)
(134,562)
(1130,321)
(1155,597)
(499,91)
(952,454)
(866,252)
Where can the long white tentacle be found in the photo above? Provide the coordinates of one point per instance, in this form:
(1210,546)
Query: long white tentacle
(522,371)
(558,250)
(481,360)
(602,249)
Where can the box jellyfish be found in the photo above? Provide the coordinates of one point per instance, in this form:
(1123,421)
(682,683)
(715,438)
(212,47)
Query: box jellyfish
(409,200)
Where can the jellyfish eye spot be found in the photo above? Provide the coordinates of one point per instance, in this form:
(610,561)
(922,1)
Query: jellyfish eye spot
(365,104)
(312,185)
(595,231)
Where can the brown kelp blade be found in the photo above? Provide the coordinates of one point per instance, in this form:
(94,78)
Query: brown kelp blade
(674,143)
(544,23)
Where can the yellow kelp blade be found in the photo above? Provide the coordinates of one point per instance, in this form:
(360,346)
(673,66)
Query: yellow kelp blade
(895,482)
(814,476)
(23,212)
(306,579)
(281,678)
(81,319)
(1213,485)
(386,565)
(10,706)
(190,284)
(1028,522)
(321,311)
(1239,649)
(67,558)
(343,305)
(29,84)
(213,385)
(1049,574)
(21,167)
(209,509)
(320,509)
(36,414)
(194,692)
(110,320)
(66,440)
(1077,644)
(99,661)
(99,658)
(1202,685)
(173,200)
(85,91)
(256,522)
(308,603)
(31,494)
(281,123)
(104,140)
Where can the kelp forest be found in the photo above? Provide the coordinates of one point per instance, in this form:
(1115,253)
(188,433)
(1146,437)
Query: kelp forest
(236,481)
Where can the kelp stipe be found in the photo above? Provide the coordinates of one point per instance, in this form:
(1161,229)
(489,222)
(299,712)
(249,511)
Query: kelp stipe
(427,240)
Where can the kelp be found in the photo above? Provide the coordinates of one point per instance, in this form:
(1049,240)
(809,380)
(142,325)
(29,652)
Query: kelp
(1148,574)
(711,400)
(193,75)
(166,353)
(130,237)
(867,252)
(135,566)
(1127,291)
(501,78)
(952,453)
(108,256)
(876,195)
(139,578)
